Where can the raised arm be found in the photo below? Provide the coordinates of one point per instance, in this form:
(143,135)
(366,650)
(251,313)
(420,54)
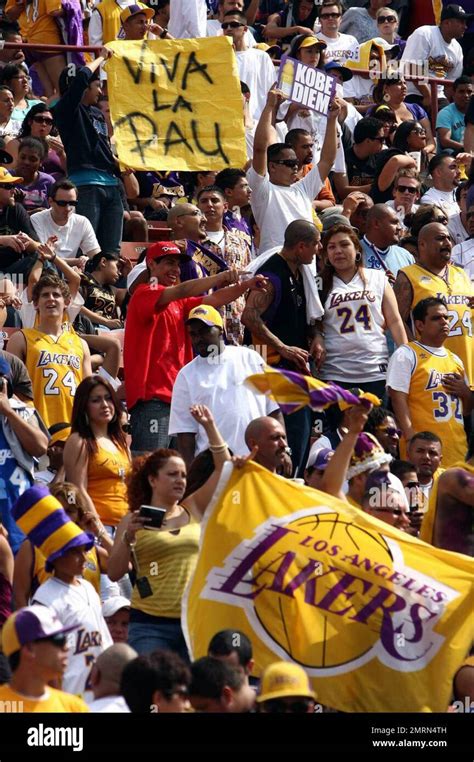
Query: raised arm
(336,470)
(328,151)
(198,501)
(196,287)
(265,132)
(387,175)
(226,295)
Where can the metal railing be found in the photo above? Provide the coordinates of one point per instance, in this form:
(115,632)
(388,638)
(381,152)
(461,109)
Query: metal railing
(432,82)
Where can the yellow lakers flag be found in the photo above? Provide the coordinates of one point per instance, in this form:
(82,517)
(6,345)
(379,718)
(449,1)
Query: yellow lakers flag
(176,105)
(379,620)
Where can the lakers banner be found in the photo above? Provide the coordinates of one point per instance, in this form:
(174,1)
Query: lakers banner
(176,105)
(380,620)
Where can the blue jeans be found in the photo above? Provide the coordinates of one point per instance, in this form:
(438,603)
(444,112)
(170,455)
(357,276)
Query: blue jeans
(149,421)
(146,637)
(102,205)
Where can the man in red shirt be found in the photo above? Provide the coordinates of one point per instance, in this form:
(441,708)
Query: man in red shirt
(157,344)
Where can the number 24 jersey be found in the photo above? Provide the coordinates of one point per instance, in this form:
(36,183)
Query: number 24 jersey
(55,368)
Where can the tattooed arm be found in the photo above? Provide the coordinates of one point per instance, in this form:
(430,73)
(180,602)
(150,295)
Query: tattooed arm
(258,303)
(404,295)
(452,528)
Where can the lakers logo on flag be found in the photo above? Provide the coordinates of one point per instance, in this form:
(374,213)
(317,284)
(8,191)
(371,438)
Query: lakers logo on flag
(379,620)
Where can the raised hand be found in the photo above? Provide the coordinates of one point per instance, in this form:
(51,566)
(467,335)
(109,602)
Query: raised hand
(201,415)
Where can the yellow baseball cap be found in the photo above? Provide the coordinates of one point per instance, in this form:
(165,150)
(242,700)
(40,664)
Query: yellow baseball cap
(6,177)
(133,10)
(309,41)
(207,314)
(284,679)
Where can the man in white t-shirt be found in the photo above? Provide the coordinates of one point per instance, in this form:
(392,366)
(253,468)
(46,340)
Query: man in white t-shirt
(72,231)
(437,49)
(216,378)
(277,199)
(214,28)
(444,170)
(255,66)
(340,47)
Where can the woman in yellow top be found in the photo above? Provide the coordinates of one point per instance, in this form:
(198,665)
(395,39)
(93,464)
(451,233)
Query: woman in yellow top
(96,456)
(30,573)
(164,559)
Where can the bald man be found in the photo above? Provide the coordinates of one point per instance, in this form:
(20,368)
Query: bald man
(434,275)
(269,435)
(379,244)
(188,224)
(105,678)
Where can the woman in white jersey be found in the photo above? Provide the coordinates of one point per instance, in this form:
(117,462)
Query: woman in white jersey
(359,306)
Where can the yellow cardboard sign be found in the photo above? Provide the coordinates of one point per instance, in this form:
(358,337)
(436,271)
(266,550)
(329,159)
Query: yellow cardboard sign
(380,620)
(176,104)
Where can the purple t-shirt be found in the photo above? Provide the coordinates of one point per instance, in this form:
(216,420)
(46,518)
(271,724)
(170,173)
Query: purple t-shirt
(36,194)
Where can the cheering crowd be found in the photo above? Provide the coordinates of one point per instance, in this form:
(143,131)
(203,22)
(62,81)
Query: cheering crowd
(135,304)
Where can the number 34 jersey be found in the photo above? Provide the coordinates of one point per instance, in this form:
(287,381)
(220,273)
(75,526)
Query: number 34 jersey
(55,368)
(418,370)
(356,347)
(456,291)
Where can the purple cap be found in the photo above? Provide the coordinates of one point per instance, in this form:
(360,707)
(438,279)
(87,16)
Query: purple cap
(320,458)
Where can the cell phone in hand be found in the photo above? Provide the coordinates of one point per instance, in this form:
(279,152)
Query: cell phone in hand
(154,515)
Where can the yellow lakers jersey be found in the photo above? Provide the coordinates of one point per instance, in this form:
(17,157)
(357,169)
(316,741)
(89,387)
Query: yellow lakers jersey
(455,291)
(55,368)
(431,407)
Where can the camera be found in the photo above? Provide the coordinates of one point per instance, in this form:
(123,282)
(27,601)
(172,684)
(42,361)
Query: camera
(154,515)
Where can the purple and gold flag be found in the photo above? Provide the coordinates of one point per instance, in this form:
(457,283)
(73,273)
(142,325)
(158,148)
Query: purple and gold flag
(293,391)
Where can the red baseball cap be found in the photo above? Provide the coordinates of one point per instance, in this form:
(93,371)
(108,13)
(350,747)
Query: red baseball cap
(163,249)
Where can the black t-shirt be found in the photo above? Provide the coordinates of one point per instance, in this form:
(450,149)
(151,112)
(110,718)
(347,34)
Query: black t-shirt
(359,171)
(98,298)
(14,219)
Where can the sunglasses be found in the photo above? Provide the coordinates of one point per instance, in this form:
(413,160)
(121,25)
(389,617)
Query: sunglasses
(126,428)
(405,188)
(65,203)
(231,25)
(390,430)
(330,15)
(43,120)
(393,511)
(386,19)
(7,186)
(58,640)
(280,706)
(286,162)
(412,485)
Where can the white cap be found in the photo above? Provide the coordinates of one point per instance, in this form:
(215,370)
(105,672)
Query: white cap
(397,486)
(384,44)
(114,604)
